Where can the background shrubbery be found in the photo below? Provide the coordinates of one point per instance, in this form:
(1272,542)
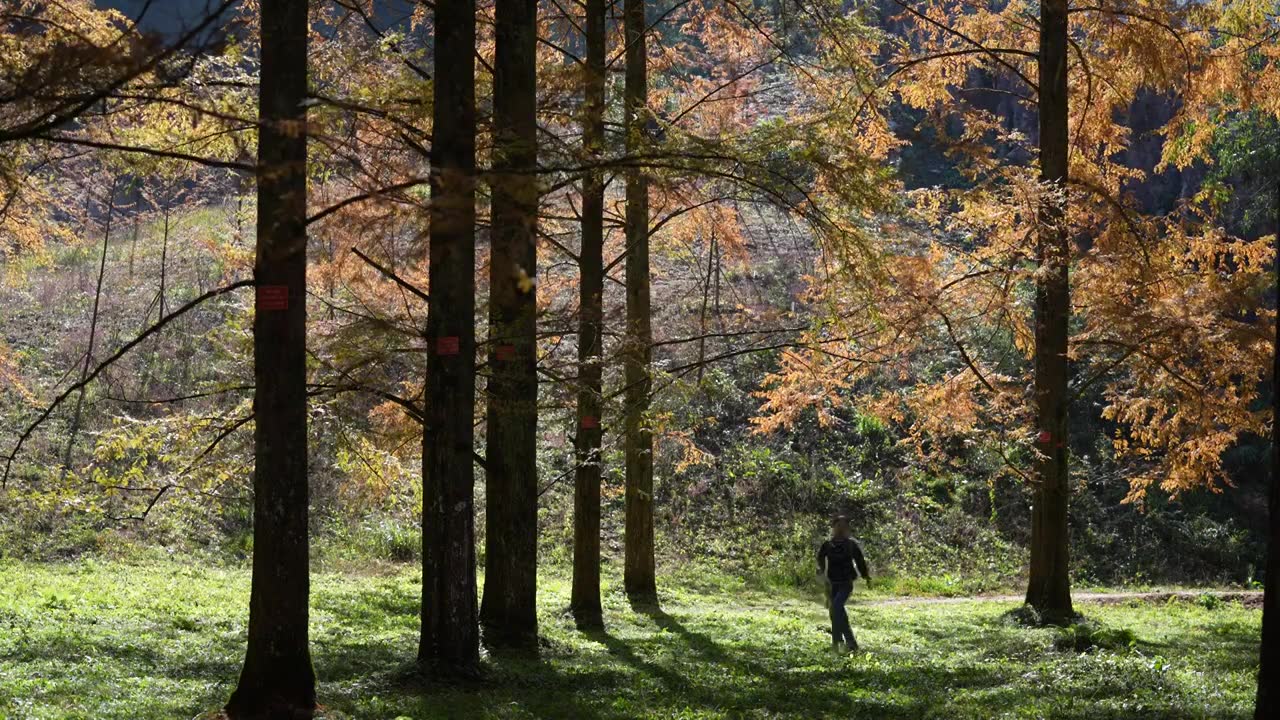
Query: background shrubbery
(751,504)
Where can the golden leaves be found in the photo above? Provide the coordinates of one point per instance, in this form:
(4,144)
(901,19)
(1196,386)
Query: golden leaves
(808,379)
(1186,330)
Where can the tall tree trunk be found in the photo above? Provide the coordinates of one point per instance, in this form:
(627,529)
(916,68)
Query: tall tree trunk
(164,257)
(93,334)
(585,599)
(712,253)
(1049,588)
(277,680)
(1268,703)
(639,574)
(450,635)
(509,610)
(133,244)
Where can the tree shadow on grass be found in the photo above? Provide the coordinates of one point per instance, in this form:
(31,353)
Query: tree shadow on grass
(699,666)
(75,648)
(360,608)
(696,641)
(523,686)
(782,686)
(666,677)
(972,676)
(1229,645)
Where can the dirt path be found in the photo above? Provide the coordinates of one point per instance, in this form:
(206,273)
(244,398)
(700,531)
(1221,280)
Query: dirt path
(1249,598)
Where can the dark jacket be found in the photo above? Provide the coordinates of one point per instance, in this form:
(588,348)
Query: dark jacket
(838,558)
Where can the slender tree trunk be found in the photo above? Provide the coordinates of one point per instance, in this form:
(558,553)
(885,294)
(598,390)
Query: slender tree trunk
(239,212)
(450,641)
(639,573)
(277,680)
(1049,588)
(715,311)
(93,333)
(164,257)
(509,611)
(1268,703)
(332,280)
(706,298)
(133,244)
(585,599)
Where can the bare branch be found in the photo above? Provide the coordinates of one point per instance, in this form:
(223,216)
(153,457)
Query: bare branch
(90,377)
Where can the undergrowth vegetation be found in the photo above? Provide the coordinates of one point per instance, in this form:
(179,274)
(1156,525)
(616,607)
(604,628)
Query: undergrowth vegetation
(727,499)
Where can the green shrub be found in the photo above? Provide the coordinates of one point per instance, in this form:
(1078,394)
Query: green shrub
(382,539)
(1209,601)
(1086,636)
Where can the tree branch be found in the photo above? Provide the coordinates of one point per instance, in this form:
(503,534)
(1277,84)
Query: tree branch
(90,377)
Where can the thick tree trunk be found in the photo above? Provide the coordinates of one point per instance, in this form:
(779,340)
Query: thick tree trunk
(1049,589)
(277,680)
(585,599)
(1268,703)
(509,611)
(639,573)
(450,635)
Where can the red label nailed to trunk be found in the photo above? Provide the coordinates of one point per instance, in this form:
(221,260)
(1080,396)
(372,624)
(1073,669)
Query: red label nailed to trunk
(590,422)
(447,345)
(273,297)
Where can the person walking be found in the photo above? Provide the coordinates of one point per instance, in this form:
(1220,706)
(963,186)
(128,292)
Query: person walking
(840,562)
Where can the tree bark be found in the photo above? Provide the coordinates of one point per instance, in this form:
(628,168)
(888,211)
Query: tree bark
(585,597)
(450,636)
(277,680)
(509,609)
(1049,589)
(1268,701)
(639,573)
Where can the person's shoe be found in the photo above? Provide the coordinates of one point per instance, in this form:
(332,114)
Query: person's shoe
(851,647)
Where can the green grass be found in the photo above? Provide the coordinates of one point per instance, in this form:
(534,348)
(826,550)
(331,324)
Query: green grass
(164,640)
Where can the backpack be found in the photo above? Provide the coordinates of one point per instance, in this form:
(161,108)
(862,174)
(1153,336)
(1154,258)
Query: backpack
(842,552)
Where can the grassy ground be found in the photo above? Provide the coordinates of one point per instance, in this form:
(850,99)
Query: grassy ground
(164,640)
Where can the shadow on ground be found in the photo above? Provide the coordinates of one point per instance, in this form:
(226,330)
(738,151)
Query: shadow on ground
(697,656)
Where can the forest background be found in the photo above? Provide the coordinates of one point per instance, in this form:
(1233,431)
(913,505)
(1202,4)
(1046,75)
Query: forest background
(995,281)
(101,244)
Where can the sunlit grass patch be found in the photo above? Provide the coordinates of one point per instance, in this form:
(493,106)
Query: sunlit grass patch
(165,640)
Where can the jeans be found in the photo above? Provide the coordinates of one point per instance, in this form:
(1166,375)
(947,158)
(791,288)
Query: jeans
(840,629)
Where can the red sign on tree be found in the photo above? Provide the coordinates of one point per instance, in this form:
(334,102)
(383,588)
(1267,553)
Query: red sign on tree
(273,297)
